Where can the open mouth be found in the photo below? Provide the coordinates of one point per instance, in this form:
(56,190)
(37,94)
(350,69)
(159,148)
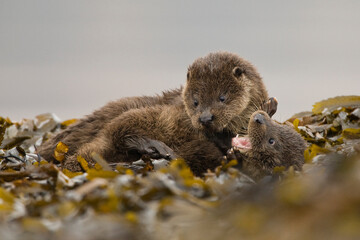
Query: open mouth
(241,144)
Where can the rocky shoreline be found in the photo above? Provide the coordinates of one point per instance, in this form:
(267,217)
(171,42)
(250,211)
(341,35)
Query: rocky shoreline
(39,201)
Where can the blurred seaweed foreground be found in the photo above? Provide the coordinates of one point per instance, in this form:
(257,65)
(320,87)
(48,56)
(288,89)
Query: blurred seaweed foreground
(39,201)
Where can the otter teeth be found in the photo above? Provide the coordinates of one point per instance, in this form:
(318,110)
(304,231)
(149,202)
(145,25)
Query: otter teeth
(241,143)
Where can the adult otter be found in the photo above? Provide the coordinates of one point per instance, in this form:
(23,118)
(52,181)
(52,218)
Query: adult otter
(268,145)
(221,92)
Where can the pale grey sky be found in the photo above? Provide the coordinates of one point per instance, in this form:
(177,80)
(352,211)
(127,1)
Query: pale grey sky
(70,57)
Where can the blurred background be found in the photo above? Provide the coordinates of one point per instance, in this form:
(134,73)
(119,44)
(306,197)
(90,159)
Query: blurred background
(71,57)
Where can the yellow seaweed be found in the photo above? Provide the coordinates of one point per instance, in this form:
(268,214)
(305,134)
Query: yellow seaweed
(66,209)
(231,163)
(312,151)
(93,173)
(293,192)
(68,122)
(71,174)
(296,125)
(336,102)
(278,169)
(60,151)
(6,196)
(6,200)
(131,217)
(112,202)
(84,164)
(33,224)
(351,133)
(42,162)
(100,161)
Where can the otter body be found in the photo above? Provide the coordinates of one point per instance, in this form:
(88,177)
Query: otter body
(158,132)
(268,145)
(221,92)
(88,128)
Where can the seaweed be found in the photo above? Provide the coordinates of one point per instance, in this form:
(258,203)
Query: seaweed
(40,200)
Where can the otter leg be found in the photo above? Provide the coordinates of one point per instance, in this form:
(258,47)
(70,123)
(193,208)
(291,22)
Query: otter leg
(99,145)
(153,148)
(126,138)
(138,131)
(120,141)
(270,107)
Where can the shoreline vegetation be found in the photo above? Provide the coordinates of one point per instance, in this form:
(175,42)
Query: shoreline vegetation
(38,200)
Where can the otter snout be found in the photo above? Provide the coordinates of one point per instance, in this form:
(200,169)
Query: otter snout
(259,118)
(206,118)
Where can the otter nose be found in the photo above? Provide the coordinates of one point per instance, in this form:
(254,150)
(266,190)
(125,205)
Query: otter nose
(259,118)
(206,118)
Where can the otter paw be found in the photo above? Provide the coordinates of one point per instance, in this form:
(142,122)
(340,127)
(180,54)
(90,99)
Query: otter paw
(235,154)
(230,154)
(270,107)
(156,149)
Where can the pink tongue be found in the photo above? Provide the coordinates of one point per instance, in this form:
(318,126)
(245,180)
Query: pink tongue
(241,142)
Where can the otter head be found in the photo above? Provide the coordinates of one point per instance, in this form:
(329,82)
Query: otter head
(269,144)
(221,91)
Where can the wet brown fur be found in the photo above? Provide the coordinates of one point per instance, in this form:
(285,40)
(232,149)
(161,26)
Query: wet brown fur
(88,128)
(287,148)
(174,129)
(125,135)
(224,75)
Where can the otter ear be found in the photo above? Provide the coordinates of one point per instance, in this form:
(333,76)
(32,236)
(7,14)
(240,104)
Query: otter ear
(188,75)
(237,72)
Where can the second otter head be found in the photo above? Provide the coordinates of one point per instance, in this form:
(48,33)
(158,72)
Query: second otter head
(222,90)
(269,144)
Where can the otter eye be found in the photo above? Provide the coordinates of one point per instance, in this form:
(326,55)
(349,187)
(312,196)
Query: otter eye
(196,103)
(272,141)
(222,98)
(237,72)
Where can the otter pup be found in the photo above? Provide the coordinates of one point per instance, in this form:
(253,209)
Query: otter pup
(221,92)
(268,145)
